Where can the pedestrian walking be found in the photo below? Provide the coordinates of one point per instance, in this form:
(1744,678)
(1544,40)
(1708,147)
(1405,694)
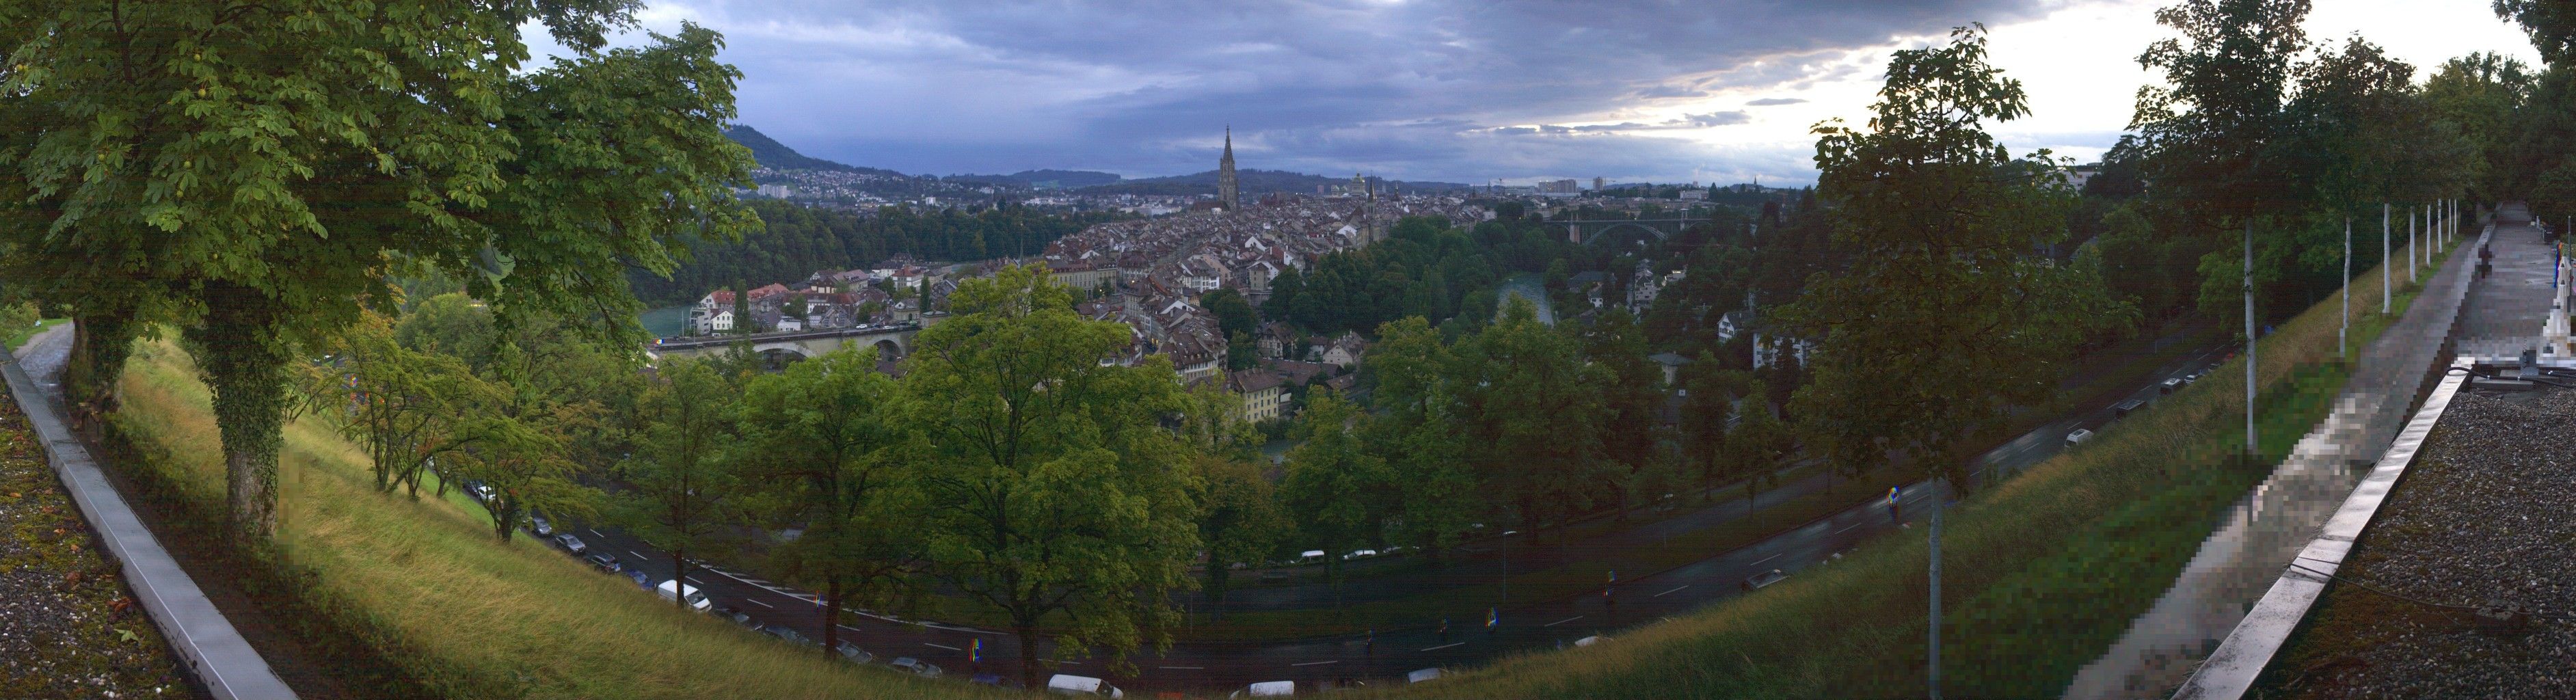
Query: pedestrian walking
(1370,647)
(1444,629)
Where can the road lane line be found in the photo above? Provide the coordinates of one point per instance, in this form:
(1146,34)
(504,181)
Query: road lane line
(1444,646)
(1675,588)
(639,555)
(1848,528)
(943,646)
(757,600)
(694,579)
(1560,622)
(595,533)
(1184,668)
(1758,562)
(847,627)
(1315,663)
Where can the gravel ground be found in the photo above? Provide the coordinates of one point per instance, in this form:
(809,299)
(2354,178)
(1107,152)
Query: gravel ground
(2482,518)
(68,626)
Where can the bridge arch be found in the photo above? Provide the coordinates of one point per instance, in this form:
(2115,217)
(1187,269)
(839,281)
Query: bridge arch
(889,350)
(1603,233)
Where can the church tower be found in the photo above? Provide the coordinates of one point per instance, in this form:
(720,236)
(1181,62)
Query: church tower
(1226,192)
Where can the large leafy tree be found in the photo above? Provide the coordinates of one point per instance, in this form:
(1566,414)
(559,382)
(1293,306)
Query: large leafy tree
(1946,317)
(1416,431)
(822,432)
(685,475)
(1051,490)
(1334,487)
(256,171)
(1537,418)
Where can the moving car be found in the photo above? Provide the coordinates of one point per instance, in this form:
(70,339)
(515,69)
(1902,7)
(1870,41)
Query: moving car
(2079,436)
(1760,580)
(673,589)
(918,667)
(1067,684)
(604,563)
(571,544)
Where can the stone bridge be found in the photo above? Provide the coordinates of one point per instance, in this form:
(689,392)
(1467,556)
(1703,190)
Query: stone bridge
(1589,232)
(892,342)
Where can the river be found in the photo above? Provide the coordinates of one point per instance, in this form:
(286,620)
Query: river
(1527,285)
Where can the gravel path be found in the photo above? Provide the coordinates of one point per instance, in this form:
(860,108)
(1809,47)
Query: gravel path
(69,628)
(2482,518)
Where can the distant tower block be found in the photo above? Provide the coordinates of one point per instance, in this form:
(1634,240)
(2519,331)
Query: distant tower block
(1227,193)
(1599,183)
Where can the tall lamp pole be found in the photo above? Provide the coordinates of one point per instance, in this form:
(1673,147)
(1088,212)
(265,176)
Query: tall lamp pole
(2250,450)
(2383,258)
(2343,335)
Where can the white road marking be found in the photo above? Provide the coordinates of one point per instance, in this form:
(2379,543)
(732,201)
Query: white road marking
(694,579)
(1847,528)
(1675,588)
(1444,646)
(1315,663)
(1184,668)
(1560,622)
(639,555)
(595,533)
(943,646)
(1758,562)
(847,627)
(757,600)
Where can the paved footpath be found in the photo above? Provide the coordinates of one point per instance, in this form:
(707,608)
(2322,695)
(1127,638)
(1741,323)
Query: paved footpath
(2260,535)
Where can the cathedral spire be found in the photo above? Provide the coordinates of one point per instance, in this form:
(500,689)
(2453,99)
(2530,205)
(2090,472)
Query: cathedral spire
(1227,193)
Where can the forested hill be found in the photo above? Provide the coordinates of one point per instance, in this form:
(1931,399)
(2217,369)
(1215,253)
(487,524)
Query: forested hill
(1253,182)
(797,241)
(772,154)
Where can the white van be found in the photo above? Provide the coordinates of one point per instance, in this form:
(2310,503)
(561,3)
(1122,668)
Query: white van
(1267,689)
(1065,684)
(673,589)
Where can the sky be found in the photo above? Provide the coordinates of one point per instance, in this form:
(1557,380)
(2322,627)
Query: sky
(1471,91)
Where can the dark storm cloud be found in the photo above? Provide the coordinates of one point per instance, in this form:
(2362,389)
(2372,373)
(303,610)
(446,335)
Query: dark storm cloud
(1416,89)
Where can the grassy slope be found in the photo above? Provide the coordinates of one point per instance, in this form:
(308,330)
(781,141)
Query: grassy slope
(470,617)
(2039,574)
(20,336)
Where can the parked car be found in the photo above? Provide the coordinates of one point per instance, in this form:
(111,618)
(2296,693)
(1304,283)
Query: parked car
(991,679)
(917,667)
(604,563)
(539,525)
(674,590)
(791,636)
(1764,579)
(1420,675)
(2169,386)
(571,544)
(1065,684)
(738,616)
(1591,640)
(2125,407)
(1266,689)
(2078,437)
(641,579)
(857,655)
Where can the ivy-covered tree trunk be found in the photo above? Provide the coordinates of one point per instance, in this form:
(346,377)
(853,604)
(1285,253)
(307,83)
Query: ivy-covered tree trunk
(244,365)
(101,340)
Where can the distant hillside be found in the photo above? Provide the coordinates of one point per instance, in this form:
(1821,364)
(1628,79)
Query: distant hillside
(1253,182)
(773,154)
(1043,179)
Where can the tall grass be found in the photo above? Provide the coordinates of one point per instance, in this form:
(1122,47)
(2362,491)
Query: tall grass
(426,585)
(2039,574)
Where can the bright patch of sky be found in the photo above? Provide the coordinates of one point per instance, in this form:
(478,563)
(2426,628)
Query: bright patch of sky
(1451,90)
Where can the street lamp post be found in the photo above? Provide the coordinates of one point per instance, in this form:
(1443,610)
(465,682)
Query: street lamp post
(2343,335)
(2383,258)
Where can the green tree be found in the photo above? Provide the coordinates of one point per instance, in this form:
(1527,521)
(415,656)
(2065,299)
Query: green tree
(1334,488)
(406,408)
(821,435)
(258,175)
(1707,409)
(1944,319)
(1633,396)
(684,479)
(1417,433)
(1239,520)
(1050,489)
(1535,414)
(1233,314)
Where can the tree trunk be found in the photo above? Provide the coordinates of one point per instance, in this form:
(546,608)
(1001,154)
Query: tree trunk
(101,340)
(679,578)
(1217,576)
(1028,635)
(244,365)
(831,616)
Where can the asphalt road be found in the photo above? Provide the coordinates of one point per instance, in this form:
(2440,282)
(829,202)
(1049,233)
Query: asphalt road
(1386,657)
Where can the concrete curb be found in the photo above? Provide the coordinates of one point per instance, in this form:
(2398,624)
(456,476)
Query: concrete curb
(213,650)
(2231,670)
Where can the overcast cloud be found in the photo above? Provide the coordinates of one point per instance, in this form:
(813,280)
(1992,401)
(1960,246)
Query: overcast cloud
(1456,90)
